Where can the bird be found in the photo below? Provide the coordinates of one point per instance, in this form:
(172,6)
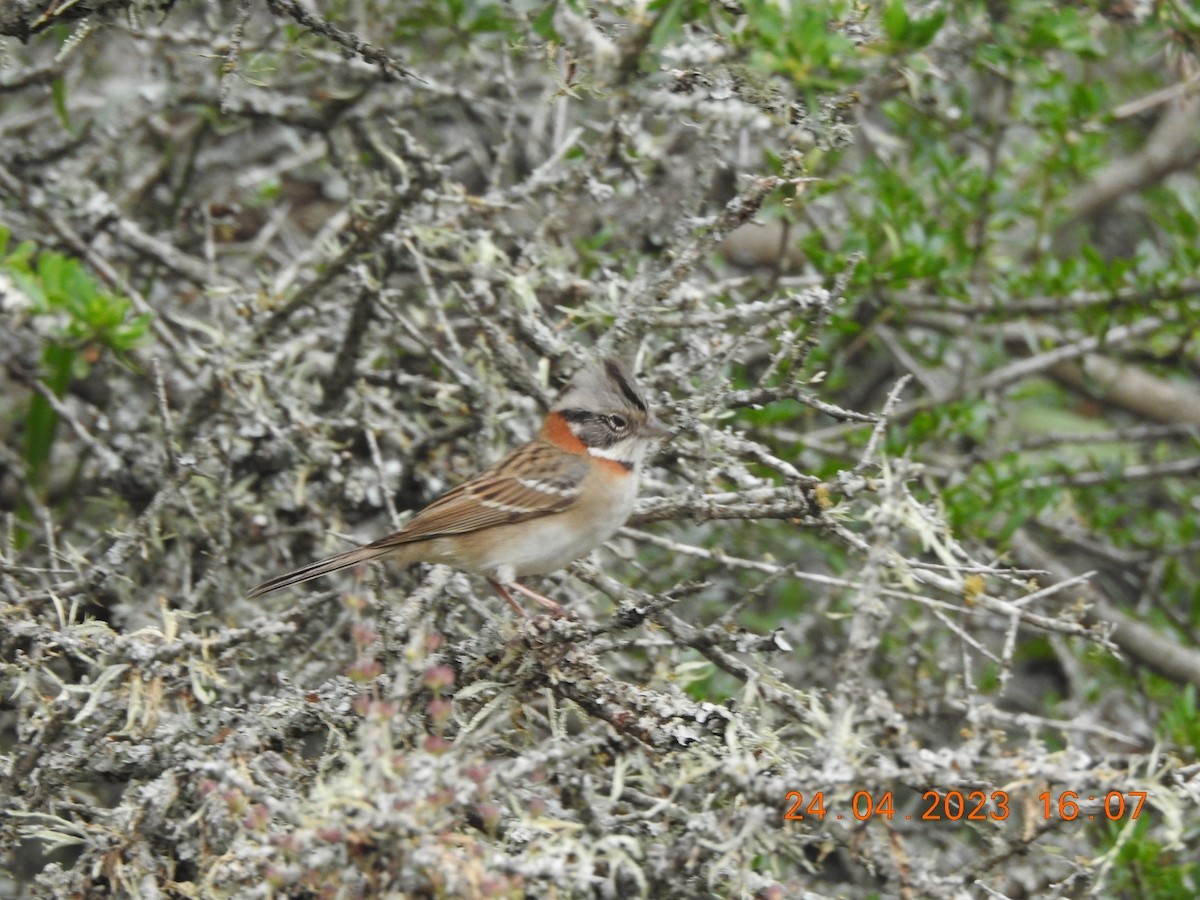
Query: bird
(551,500)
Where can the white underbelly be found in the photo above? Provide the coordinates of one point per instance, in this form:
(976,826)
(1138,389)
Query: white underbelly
(541,546)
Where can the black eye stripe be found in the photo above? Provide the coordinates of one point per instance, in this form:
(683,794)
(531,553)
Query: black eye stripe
(578,416)
(618,378)
(596,429)
(615,421)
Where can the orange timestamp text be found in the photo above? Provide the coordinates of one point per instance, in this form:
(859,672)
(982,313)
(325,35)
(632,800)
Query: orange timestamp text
(971,806)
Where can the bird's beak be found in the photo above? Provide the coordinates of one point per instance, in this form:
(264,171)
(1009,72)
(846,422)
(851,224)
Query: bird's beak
(656,429)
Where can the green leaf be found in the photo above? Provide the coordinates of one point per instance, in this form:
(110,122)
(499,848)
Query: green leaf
(922,31)
(543,23)
(86,320)
(42,421)
(58,90)
(895,22)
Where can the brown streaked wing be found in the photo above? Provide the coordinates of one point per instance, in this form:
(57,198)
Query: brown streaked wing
(534,480)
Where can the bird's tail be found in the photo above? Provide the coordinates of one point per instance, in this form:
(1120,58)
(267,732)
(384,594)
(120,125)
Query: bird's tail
(321,567)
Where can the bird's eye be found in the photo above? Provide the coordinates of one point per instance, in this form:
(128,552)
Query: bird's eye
(618,423)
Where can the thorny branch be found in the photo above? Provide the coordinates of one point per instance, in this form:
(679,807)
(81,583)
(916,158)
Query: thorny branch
(366,295)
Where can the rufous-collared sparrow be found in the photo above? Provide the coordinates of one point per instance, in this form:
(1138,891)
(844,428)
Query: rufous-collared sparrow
(551,500)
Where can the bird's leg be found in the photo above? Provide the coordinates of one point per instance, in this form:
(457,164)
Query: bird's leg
(555,609)
(502,589)
(503,592)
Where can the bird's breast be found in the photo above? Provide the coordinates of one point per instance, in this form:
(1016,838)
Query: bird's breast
(542,545)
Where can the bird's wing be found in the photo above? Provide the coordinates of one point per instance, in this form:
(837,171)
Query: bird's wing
(534,480)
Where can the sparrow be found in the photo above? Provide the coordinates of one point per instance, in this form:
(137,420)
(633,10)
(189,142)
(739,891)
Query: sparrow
(549,501)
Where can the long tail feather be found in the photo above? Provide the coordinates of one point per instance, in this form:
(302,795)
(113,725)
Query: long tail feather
(320,567)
